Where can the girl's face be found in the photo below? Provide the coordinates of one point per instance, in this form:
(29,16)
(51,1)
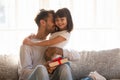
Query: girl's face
(61,23)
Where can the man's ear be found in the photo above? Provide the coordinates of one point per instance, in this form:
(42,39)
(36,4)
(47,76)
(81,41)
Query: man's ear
(42,22)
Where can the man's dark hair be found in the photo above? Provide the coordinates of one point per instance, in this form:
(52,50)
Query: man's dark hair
(43,15)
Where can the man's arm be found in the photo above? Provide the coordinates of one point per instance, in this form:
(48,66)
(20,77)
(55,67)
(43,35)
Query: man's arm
(25,57)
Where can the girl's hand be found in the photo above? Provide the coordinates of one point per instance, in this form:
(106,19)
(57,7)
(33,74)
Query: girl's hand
(50,69)
(27,41)
(32,36)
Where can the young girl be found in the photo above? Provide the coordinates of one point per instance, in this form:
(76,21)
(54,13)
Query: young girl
(60,37)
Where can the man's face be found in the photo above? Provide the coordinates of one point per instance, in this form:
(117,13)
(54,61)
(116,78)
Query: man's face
(50,27)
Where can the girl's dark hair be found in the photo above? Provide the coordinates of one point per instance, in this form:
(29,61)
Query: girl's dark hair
(43,15)
(64,12)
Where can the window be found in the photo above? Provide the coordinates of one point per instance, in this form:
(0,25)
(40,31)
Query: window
(3,11)
(7,14)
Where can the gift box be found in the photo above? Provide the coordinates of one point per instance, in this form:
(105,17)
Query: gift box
(57,62)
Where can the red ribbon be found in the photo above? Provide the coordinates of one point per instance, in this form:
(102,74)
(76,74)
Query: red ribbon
(58,59)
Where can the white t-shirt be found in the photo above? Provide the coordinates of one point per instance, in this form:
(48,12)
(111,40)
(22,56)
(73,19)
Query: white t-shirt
(64,34)
(70,54)
(30,57)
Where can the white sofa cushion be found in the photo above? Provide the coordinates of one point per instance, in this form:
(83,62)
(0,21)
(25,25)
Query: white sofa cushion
(105,62)
(8,67)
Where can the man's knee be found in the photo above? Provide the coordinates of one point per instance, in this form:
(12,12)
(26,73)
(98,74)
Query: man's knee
(40,68)
(65,68)
(41,73)
(65,72)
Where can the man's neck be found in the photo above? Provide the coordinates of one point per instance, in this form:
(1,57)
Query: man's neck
(41,35)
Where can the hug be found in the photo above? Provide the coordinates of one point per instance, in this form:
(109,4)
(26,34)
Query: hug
(37,50)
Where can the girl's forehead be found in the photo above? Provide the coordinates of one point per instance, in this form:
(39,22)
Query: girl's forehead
(60,15)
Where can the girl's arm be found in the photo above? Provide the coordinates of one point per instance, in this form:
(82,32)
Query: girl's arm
(50,42)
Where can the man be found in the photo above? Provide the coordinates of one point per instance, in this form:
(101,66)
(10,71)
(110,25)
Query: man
(32,57)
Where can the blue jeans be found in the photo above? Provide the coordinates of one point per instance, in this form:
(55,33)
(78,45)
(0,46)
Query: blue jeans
(39,73)
(62,72)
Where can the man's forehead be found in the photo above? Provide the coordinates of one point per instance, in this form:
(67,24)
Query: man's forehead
(50,15)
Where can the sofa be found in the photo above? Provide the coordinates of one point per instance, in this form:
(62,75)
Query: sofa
(105,62)
(8,67)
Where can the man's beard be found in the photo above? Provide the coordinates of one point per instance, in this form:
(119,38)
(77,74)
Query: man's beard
(51,30)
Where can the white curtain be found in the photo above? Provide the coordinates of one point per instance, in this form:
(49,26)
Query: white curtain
(96,23)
